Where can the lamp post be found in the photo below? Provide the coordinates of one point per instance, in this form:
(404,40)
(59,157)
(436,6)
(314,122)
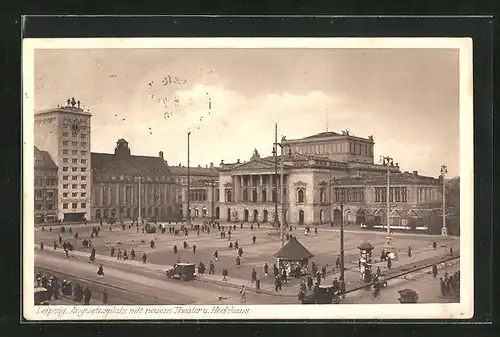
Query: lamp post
(139,199)
(282,145)
(444,171)
(388,162)
(342,258)
(275,192)
(188,181)
(342,261)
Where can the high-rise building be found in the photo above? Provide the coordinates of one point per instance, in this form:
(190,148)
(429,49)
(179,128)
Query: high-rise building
(64,132)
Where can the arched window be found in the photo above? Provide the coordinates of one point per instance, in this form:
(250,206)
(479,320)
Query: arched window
(300,196)
(229,196)
(264,195)
(274,195)
(245,195)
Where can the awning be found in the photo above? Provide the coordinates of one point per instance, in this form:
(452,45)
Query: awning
(395,213)
(414,213)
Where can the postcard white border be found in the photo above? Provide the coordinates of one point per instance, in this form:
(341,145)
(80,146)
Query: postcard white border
(462,310)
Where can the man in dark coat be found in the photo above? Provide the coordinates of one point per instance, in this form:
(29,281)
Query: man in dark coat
(87,294)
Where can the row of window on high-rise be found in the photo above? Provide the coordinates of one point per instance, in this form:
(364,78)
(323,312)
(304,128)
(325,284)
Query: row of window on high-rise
(40,193)
(73,186)
(74,169)
(74,205)
(75,161)
(75,135)
(75,152)
(75,194)
(74,178)
(39,207)
(74,143)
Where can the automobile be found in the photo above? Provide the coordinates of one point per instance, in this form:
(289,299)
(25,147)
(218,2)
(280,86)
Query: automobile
(41,296)
(182,271)
(408,296)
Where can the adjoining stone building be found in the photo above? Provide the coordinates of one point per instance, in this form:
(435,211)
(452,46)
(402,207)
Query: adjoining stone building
(204,191)
(316,171)
(64,132)
(45,187)
(120,179)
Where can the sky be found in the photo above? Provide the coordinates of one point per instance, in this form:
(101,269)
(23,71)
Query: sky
(229,99)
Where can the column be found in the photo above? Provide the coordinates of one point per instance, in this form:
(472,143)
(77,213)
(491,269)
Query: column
(101,192)
(269,188)
(109,194)
(238,182)
(250,188)
(259,191)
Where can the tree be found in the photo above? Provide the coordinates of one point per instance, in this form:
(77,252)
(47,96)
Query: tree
(452,193)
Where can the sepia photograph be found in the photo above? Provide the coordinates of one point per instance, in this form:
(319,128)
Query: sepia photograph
(220,178)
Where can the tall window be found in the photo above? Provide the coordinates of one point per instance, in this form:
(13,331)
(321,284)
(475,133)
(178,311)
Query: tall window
(300,196)
(274,196)
(229,196)
(322,195)
(245,195)
(254,195)
(264,195)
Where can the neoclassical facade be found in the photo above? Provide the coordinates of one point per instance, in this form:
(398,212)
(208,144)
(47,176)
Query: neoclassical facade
(204,191)
(123,183)
(321,172)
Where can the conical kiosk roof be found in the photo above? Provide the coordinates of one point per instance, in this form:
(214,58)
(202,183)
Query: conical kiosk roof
(293,251)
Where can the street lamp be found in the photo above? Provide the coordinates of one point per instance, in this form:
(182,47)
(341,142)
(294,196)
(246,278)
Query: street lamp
(188,181)
(139,197)
(444,171)
(282,145)
(388,162)
(342,259)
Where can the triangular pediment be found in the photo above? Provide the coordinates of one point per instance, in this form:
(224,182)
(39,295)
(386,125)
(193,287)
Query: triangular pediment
(255,163)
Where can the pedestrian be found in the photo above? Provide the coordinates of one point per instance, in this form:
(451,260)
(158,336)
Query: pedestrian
(238,261)
(243,296)
(194,249)
(382,255)
(240,251)
(119,255)
(251,227)
(144,258)
(211,268)
(409,251)
(112,252)
(104,297)
(55,244)
(284,276)
(100,271)
(266,269)
(337,262)
(224,275)
(125,256)
(434,270)
(254,275)
(41,246)
(442,286)
(87,294)
(132,254)
(389,263)
(60,239)
(216,255)
(175,250)
(379,272)
(152,244)
(254,239)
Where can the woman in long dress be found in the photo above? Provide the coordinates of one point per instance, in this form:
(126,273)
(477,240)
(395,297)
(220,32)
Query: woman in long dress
(100,272)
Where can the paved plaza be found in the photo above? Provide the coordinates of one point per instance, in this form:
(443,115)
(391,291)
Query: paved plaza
(324,245)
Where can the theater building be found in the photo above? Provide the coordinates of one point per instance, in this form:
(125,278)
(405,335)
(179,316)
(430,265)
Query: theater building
(204,191)
(320,171)
(64,132)
(45,187)
(123,184)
